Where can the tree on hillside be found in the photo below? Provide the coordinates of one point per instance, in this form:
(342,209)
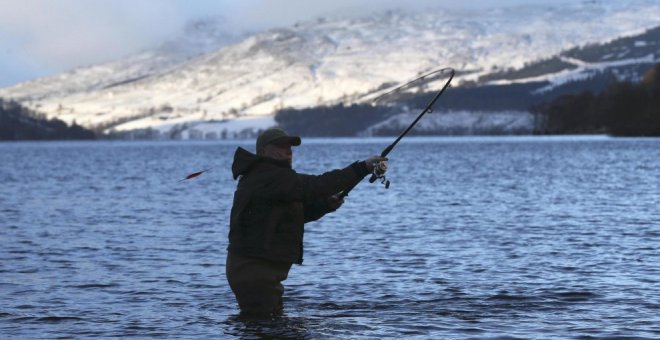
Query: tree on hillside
(571,114)
(19,123)
(623,109)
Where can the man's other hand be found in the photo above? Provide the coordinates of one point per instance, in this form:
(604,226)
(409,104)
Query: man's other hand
(335,201)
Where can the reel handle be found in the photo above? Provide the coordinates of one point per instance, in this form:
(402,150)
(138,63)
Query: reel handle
(372,178)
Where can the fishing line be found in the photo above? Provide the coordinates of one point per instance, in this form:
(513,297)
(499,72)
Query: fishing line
(380,168)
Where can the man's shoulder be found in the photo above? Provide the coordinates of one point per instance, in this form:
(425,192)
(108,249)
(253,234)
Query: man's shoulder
(265,171)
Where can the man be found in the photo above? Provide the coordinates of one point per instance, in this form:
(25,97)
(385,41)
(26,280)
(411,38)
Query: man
(271,204)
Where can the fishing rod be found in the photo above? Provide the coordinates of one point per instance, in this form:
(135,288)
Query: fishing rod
(380,168)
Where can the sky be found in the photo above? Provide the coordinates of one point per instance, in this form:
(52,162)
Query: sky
(45,37)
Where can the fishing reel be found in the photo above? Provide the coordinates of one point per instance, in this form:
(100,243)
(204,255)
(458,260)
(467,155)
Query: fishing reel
(379,173)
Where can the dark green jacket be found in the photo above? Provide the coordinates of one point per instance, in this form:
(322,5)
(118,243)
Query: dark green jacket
(272,202)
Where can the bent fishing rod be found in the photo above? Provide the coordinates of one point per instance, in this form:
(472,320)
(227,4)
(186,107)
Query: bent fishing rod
(379,169)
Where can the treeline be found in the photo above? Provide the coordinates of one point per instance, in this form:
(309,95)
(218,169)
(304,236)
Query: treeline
(20,123)
(331,121)
(623,109)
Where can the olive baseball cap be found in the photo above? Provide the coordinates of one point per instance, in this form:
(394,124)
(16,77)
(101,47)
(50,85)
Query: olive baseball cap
(273,135)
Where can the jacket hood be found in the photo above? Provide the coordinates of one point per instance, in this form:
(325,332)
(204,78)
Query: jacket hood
(243,161)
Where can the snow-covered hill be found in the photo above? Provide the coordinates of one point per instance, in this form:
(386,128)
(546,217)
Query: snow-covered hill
(237,87)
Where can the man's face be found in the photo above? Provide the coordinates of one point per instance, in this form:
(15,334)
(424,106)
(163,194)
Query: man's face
(280,151)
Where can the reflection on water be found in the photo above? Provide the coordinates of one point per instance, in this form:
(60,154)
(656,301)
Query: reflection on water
(476,237)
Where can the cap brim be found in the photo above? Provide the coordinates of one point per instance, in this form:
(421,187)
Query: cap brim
(292,140)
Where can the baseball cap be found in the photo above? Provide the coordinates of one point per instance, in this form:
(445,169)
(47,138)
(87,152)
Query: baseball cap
(273,135)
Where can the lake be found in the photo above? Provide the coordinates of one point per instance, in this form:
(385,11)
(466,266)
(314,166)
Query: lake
(477,237)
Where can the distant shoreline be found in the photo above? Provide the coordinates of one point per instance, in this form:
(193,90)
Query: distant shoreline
(349,140)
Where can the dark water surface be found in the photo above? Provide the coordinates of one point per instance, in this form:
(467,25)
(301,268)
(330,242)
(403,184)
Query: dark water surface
(476,238)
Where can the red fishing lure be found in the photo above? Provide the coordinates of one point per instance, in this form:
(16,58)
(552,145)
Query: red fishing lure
(195,174)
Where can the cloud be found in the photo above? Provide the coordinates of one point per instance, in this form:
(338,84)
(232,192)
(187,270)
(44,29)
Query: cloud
(50,36)
(67,33)
(268,13)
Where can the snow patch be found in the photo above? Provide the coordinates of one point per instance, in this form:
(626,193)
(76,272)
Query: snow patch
(459,123)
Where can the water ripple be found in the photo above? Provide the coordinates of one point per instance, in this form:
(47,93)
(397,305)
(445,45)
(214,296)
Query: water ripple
(485,238)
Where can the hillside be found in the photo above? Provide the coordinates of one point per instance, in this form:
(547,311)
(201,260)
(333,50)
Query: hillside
(498,103)
(231,87)
(19,123)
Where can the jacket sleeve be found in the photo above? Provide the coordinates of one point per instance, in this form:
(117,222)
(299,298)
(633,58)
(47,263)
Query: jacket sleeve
(320,187)
(316,209)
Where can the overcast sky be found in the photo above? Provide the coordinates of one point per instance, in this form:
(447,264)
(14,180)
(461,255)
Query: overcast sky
(44,37)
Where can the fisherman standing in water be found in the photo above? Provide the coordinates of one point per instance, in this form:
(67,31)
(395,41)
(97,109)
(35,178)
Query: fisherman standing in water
(271,204)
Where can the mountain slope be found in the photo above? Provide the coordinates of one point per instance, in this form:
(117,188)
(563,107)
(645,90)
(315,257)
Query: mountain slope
(325,62)
(498,103)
